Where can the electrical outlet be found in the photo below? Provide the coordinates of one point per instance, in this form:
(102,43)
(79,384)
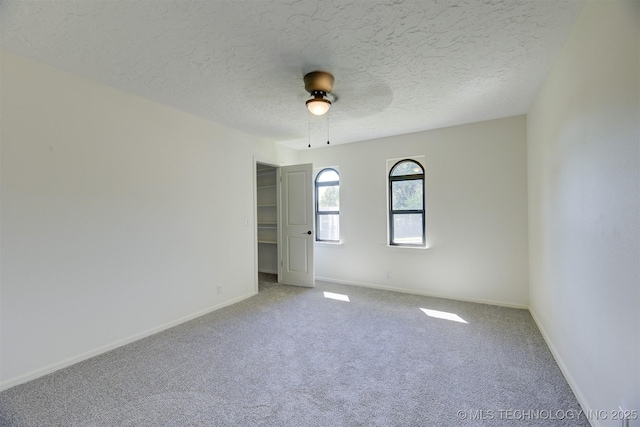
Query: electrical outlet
(219,289)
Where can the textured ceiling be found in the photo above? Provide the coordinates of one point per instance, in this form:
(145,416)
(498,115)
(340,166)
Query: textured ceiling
(400,66)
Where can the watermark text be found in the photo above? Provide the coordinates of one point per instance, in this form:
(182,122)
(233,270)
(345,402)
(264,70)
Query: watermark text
(544,414)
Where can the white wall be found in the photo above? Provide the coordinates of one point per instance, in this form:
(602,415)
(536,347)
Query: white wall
(584,207)
(119,217)
(476,213)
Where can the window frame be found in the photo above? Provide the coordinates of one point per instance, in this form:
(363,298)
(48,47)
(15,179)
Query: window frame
(391,212)
(318,213)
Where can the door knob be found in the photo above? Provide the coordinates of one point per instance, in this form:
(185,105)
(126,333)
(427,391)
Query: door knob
(308,232)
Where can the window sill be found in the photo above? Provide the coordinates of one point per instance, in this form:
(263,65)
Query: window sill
(407,247)
(328,244)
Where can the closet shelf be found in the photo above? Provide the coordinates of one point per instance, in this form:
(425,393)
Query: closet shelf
(267,218)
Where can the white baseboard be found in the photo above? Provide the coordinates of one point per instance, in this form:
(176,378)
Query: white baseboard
(427,294)
(565,371)
(29,376)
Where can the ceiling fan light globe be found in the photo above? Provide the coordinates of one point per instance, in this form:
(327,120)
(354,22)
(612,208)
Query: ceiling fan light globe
(318,106)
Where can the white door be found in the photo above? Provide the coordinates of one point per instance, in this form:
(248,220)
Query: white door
(297,225)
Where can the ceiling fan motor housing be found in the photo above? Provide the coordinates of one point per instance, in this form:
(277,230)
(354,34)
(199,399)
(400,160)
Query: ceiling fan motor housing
(318,81)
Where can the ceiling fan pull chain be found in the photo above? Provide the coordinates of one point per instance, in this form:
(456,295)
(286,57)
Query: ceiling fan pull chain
(327,128)
(309,121)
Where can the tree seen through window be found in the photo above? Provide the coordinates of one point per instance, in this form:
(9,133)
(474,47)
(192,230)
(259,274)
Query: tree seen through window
(406,204)
(327,187)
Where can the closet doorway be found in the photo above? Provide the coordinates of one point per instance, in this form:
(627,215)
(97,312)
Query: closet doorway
(267,197)
(285,223)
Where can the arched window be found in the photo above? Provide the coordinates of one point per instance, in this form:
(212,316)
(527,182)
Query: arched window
(406,204)
(328,205)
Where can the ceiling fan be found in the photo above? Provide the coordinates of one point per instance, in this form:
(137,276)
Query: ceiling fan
(319,84)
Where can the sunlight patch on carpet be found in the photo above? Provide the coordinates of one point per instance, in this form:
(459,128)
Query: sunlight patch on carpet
(339,297)
(443,315)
